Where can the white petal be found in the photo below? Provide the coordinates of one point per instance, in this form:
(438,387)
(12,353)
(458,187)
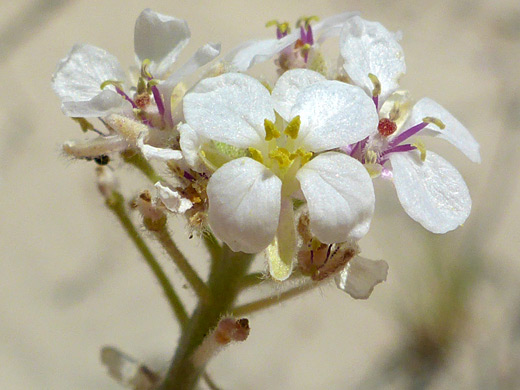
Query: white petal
(230,108)
(454,132)
(331,26)
(242,57)
(244,205)
(201,57)
(360,276)
(432,192)
(333,114)
(172,199)
(106,102)
(78,78)
(151,152)
(190,143)
(288,86)
(368,47)
(159,38)
(340,197)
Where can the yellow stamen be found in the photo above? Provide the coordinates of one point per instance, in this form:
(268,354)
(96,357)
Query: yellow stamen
(304,155)
(293,127)
(144,69)
(282,27)
(115,83)
(437,122)
(256,155)
(282,157)
(270,130)
(377,85)
(306,20)
(420,146)
(85,124)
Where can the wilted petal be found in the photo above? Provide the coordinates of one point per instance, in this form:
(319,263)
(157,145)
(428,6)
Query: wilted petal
(340,197)
(454,132)
(230,108)
(368,47)
(360,276)
(151,152)
(190,143)
(78,78)
(244,205)
(333,114)
(172,199)
(289,85)
(159,38)
(432,192)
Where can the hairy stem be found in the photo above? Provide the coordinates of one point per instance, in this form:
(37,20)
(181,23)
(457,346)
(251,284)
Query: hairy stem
(227,269)
(182,263)
(116,203)
(138,161)
(272,300)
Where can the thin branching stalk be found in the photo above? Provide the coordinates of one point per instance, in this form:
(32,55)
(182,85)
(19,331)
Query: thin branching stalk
(272,300)
(138,161)
(116,203)
(252,280)
(198,285)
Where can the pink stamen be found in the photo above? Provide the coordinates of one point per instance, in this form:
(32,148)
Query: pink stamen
(407,134)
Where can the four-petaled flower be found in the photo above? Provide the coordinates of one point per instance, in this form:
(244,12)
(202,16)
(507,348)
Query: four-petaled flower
(430,189)
(251,198)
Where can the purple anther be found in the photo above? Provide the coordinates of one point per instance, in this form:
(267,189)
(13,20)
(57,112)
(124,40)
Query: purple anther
(407,134)
(347,149)
(123,94)
(358,146)
(158,100)
(303,35)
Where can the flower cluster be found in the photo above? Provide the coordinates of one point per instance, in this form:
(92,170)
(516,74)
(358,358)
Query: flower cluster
(285,168)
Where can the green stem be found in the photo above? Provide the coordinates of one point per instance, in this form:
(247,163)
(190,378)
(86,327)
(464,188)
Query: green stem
(252,280)
(182,263)
(226,271)
(272,300)
(116,203)
(138,161)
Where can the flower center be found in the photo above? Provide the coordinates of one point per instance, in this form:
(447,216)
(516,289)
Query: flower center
(386,127)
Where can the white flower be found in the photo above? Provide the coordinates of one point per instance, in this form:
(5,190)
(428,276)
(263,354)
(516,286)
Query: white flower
(360,276)
(250,197)
(253,52)
(430,189)
(158,40)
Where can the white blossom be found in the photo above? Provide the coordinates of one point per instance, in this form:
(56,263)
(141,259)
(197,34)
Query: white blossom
(430,189)
(249,197)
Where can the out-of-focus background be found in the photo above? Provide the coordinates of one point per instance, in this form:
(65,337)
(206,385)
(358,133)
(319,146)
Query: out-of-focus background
(71,281)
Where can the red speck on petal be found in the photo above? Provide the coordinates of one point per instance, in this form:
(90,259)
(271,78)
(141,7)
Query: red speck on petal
(386,127)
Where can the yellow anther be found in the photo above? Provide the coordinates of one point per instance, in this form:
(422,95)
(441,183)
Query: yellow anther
(115,83)
(85,124)
(282,27)
(370,157)
(421,148)
(282,157)
(306,48)
(377,85)
(270,130)
(437,122)
(306,20)
(305,156)
(144,69)
(293,128)
(256,155)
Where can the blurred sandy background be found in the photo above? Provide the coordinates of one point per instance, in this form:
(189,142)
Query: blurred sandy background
(70,281)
